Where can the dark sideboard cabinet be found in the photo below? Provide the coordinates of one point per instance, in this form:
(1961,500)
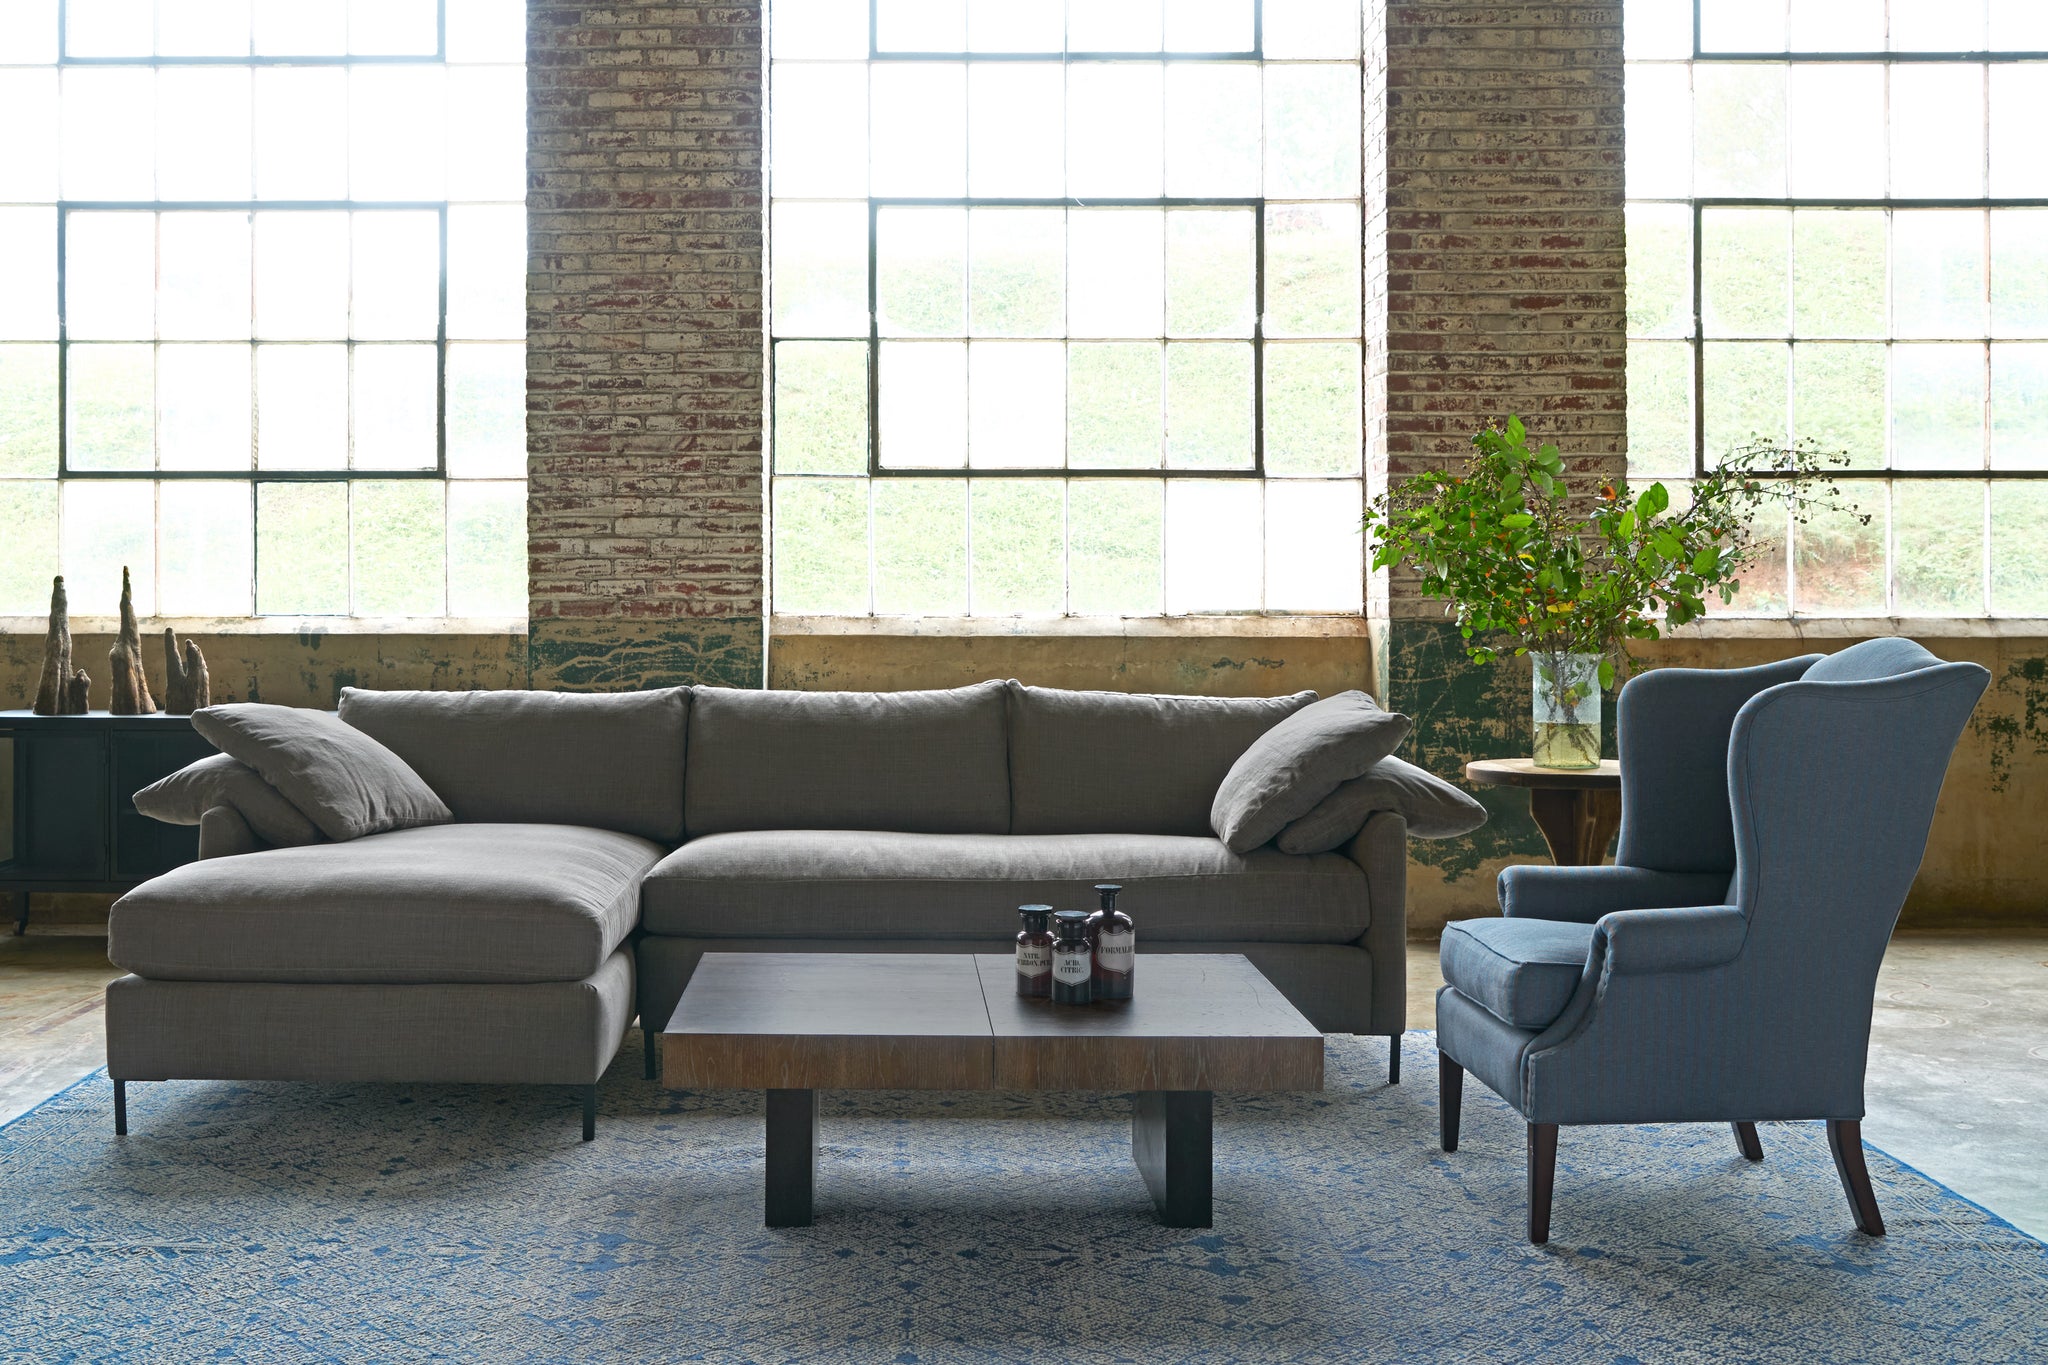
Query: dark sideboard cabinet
(66,819)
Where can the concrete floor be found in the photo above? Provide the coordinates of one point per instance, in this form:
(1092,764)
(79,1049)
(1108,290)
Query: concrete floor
(1958,1083)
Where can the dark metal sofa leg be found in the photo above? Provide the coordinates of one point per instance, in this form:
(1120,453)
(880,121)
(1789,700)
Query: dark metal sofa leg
(1393,1059)
(1542,1175)
(120,1109)
(589,1112)
(1845,1140)
(1745,1138)
(650,1059)
(1450,1099)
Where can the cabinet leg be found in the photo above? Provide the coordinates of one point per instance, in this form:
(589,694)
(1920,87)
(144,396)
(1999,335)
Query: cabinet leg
(792,1157)
(1172,1136)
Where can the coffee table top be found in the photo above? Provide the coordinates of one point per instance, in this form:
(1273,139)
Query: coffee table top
(949,1021)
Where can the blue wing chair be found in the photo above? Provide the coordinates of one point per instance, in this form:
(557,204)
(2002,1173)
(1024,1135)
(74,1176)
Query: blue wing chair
(1724,968)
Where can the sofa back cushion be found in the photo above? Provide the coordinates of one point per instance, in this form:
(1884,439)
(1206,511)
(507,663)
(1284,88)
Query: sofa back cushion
(913,762)
(606,760)
(1127,763)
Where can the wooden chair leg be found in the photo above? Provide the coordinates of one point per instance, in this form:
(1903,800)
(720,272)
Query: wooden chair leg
(1745,1138)
(1393,1059)
(1542,1175)
(1450,1099)
(1845,1140)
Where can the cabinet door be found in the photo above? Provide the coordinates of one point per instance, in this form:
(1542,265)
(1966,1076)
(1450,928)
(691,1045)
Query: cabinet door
(60,799)
(144,847)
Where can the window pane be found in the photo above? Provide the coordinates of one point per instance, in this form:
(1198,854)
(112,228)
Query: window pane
(109,524)
(1312,28)
(1019,540)
(820,133)
(1938,549)
(1210,273)
(107,28)
(1315,555)
(917,125)
(1938,407)
(1938,273)
(1016,279)
(397,125)
(1215,551)
(1937,25)
(1016,404)
(1208,405)
(1745,261)
(924,404)
(302,407)
(487,548)
(487,272)
(1118,260)
(1212,130)
(397,537)
(1114,25)
(110,276)
(1657,115)
(28,165)
(821,407)
(821,546)
(1838,560)
(1312,264)
(1314,408)
(112,400)
(1659,409)
(1838,399)
(301,133)
(395,278)
(1742,25)
(109,139)
(302,275)
(1745,395)
(1114,136)
(28,415)
(203,285)
(2019,571)
(203,409)
(202,133)
(2018,26)
(487,132)
(392,28)
(1749,98)
(821,269)
(1016,25)
(2019,156)
(1209,26)
(302,549)
(1659,270)
(28,31)
(1937,112)
(486,412)
(206,536)
(495,30)
(28,287)
(2019,407)
(29,511)
(1838,131)
(1838,274)
(1116,547)
(1838,25)
(393,402)
(920,547)
(1016,129)
(2019,273)
(802,28)
(921,25)
(293,28)
(1312,133)
(921,271)
(1115,405)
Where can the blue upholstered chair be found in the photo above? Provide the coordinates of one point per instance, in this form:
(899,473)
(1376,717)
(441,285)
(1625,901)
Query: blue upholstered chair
(1723,969)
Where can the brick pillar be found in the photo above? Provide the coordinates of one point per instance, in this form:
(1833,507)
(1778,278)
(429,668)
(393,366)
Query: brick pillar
(645,409)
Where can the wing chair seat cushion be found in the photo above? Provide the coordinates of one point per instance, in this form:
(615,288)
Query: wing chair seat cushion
(1522,971)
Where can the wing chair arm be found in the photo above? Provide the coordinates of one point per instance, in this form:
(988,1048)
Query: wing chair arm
(1583,894)
(1671,939)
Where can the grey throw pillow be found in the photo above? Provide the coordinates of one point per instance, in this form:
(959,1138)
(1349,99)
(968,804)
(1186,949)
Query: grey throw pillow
(1433,808)
(345,782)
(218,780)
(1288,771)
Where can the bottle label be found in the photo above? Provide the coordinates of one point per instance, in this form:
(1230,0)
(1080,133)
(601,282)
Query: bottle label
(1115,952)
(1070,968)
(1034,959)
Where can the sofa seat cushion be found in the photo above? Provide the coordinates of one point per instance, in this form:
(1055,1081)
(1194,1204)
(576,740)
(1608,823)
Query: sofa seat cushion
(856,885)
(448,903)
(1523,971)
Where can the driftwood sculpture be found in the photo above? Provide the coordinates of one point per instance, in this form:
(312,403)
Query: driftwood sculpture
(124,660)
(52,690)
(186,685)
(78,694)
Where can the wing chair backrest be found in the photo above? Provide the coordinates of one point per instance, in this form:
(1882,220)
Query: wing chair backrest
(1672,725)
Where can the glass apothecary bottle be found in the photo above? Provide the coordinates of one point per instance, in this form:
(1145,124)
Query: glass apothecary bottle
(1116,947)
(1073,963)
(1034,952)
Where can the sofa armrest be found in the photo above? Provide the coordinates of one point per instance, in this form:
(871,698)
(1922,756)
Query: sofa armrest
(223,833)
(1672,938)
(1381,849)
(1582,895)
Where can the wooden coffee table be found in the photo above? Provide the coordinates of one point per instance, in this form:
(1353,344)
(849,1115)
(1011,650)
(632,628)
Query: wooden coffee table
(793,1024)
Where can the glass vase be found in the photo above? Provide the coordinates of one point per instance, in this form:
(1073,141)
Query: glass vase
(1567,710)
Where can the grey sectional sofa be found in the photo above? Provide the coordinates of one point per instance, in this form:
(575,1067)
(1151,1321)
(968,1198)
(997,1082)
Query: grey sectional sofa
(603,843)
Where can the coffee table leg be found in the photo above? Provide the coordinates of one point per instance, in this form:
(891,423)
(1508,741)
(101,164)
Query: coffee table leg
(792,1157)
(1171,1141)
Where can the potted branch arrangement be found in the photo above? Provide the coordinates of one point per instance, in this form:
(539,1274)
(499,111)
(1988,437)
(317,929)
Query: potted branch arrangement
(1569,572)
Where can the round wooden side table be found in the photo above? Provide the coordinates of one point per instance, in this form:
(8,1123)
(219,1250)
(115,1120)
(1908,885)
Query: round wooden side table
(1578,809)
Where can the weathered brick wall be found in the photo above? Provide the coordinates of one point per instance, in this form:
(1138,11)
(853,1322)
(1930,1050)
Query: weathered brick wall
(645,413)
(1494,233)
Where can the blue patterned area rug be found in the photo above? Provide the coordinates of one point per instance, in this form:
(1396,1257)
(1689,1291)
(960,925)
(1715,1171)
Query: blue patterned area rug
(367,1223)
